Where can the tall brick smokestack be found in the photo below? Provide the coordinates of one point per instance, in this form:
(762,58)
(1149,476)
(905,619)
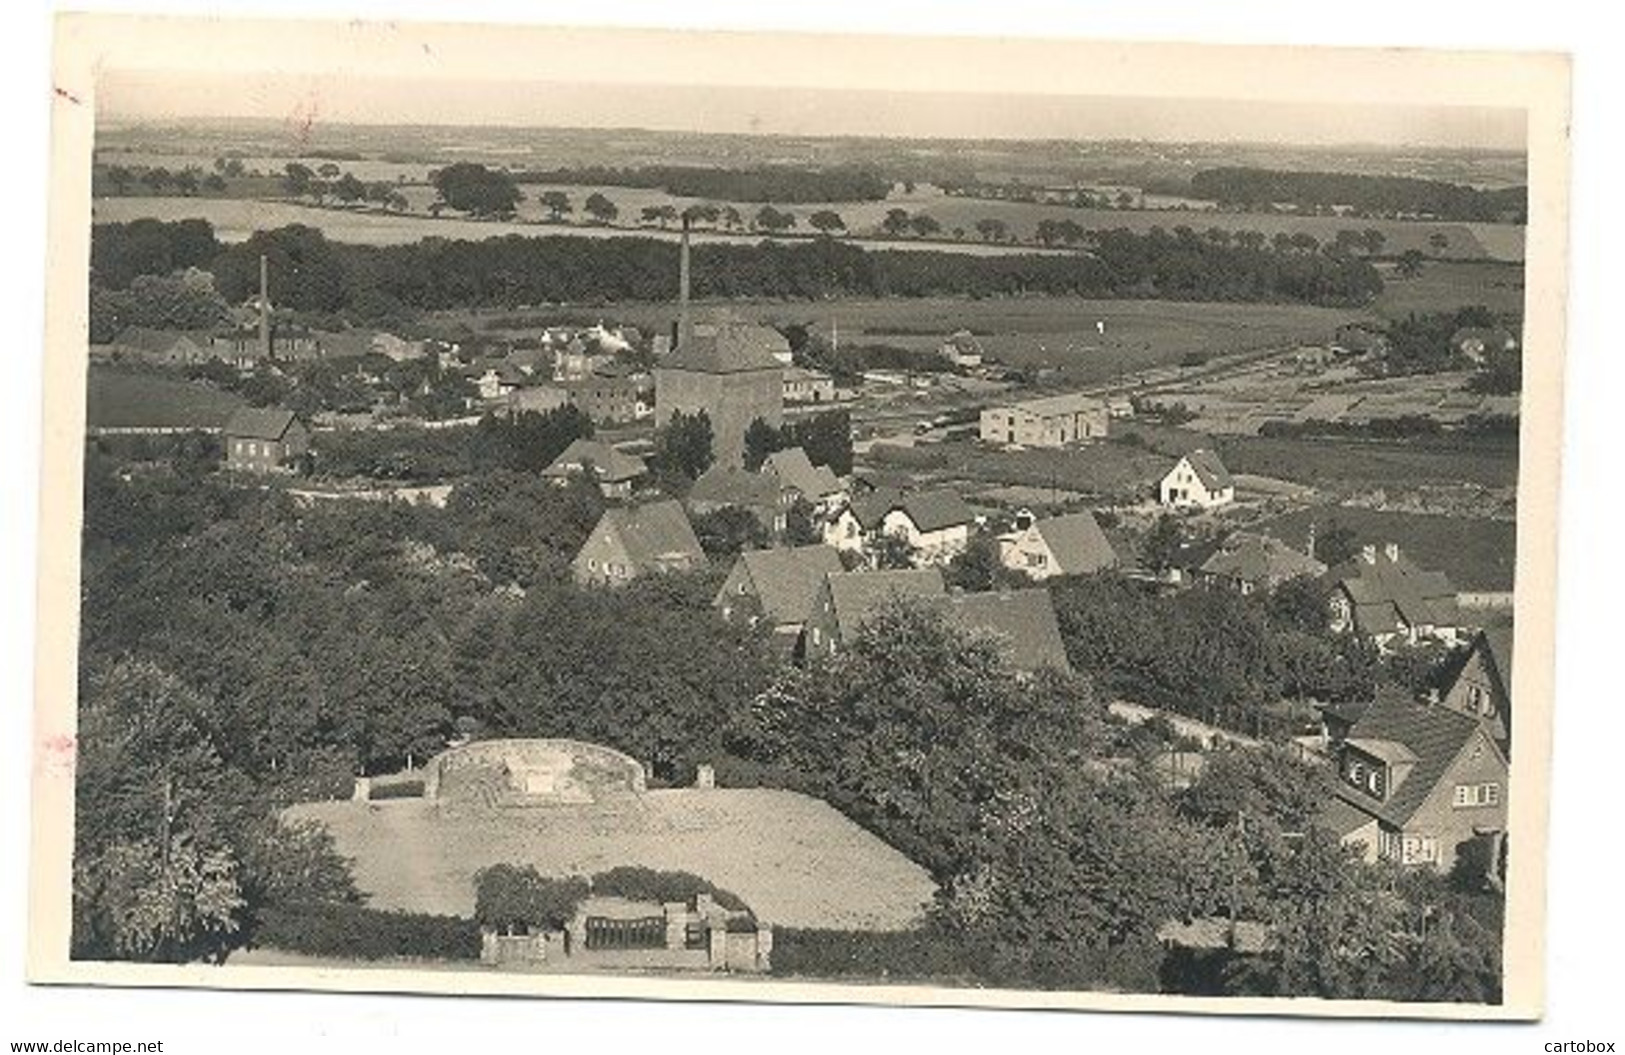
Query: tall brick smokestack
(685,325)
(265,308)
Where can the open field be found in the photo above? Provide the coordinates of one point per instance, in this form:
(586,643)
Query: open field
(235,218)
(1477,554)
(1370,464)
(1111,471)
(793,859)
(1448,285)
(1059,333)
(121,398)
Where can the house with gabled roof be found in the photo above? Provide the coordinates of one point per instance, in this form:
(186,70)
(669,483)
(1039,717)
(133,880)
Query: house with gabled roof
(1385,596)
(778,587)
(936,523)
(615,472)
(1482,685)
(629,541)
(961,349)
(729,486)
(793,471)
(1417,784)
(1023,620)
(861,518)
(848,599)
(1071,544)
(1199,480)
(264,440)
(1248,562)
(163,346)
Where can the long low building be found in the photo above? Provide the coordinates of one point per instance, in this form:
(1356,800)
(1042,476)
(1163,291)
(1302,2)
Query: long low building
(1053,421)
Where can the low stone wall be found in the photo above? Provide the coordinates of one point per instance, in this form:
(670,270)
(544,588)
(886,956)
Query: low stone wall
(537,771)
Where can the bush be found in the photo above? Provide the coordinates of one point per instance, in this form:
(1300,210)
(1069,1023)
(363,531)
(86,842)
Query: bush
(357,932)
(636,883)
(508,897)
(921,954)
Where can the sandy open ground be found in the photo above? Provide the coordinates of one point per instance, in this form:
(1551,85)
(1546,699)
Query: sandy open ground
(795,860)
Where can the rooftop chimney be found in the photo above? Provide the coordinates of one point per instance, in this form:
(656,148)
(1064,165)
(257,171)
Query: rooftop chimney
(1392,550)
(1368,554)
(685,325)
(265,308)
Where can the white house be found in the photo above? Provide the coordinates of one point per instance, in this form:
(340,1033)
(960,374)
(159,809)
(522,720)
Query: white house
(937,524)
(1072,544)
(962,349)
(1198,481)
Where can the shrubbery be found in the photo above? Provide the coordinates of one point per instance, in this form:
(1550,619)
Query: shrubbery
(508,897)
(397,789)
(357,932)
(636,883)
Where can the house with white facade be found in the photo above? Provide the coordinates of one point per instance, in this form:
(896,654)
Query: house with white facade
(1053,421)
(1198,481)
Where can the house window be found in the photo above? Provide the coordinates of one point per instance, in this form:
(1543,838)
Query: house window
(741,589)
(1468,795)
(817,636)
(1377,782)
(1356,773)
(592,563)
(1419,849)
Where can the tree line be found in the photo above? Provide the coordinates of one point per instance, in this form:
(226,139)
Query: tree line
(1369,195)
(779,184)
(309,273)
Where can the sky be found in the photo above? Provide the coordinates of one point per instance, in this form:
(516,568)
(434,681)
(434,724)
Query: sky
(325,98)
(803,84)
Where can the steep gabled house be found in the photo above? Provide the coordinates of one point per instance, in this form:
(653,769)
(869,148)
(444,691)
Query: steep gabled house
(861,518)
(794,472)
(630,541)
(1385,596)
(1024,621)
(1417,783)
(937,524)
(727,486)
(1247,562)
(1482,687)
(1072,544)
(615,472)
(779,587)
(1199,480)
(264,440)
(848,599)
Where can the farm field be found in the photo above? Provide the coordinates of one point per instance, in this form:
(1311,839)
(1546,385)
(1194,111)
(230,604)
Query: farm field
(235,219)
(793,859)
(1476,554)
(1448,285)
(121,398)
(1328,464)
(1112,471)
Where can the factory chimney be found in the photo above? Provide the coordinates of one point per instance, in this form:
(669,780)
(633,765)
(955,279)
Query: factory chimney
(265,309)
(685,325)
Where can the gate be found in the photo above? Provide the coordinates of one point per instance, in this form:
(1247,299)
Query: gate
(648,932)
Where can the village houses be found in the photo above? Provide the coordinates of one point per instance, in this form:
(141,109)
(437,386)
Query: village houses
(778,587)
(1248,562)
(817,485)
(632,541)
(727,486)
(1482,686)
(1052,421)
(614,472)
(1383,595)
(1071,544)
(264,440)
(1199,480)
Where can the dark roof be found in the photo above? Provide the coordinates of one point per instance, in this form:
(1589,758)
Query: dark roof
(794,469)
(608,464)
(728,346)
(1025,618)
(1497,641)
(1209,469)
(1259,559)
(259,423)
(1387,592)
(935,510)
(787,581)
(655,534)
(730,485)
(1076,542)
(1435,735)
(1340,818)
(871,507)
(857,595)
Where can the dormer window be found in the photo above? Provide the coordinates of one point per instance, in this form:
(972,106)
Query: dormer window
(1377,782)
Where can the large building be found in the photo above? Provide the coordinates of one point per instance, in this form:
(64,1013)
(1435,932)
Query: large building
(729,369)
(1053,421)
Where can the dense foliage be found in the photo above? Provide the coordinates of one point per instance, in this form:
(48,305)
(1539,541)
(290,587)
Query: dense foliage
(308,273)
(357,932)
(1368,195)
